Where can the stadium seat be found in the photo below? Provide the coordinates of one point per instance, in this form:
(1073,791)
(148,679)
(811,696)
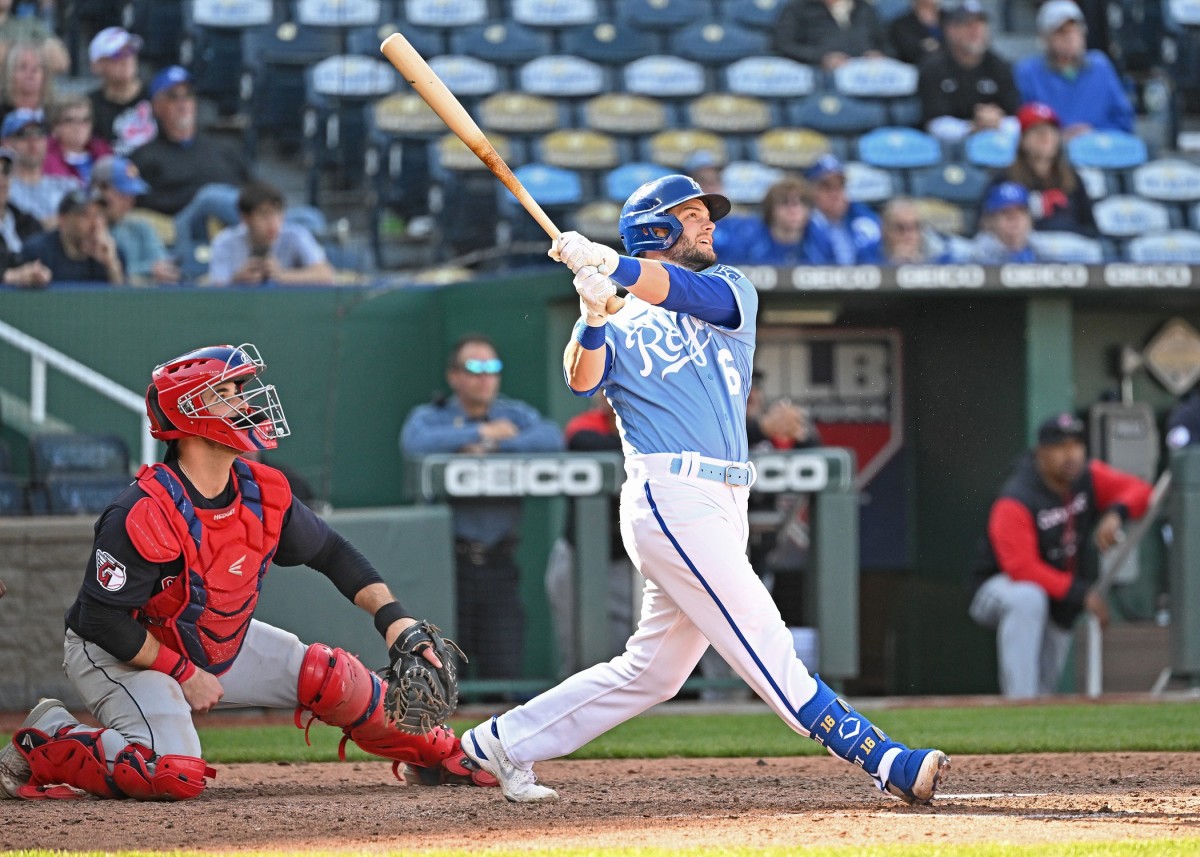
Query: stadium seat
(625,179)
(961,184)
(519,113)
(868,184)
(790,148)
(990,149)
(1115,152)
(1095,182)
(366,40)
(445,13)
(562,76)
(736,117)
(1177,246)
(77,473)
(588,152)
(464,184)
(1167,180)
(505,44)
(622,113)
(1137,34)
(337,13)
(1181,43)
(659,14)
(673,147)
(1194,218)
(81,494)
(1125,216)
(716,45)
(897,148)
(555,13)
(1068,247)
(776,78)
(875,77)
(610,43)
(469,78)
(212,46)
(599,220)
(834,114)
(757,14)
(664,76)
(12,489)
(558,191)
(945,217)
(747,182)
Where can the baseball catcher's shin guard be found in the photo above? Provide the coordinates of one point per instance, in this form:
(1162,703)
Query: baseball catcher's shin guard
(76,759)
(338,690)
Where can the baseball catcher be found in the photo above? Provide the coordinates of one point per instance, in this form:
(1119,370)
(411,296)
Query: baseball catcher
(163,626)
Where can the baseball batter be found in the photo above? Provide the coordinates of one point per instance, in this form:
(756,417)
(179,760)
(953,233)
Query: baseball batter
(676,362)
(163,625)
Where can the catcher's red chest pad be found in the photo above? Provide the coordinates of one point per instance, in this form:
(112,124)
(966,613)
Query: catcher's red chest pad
(228,565)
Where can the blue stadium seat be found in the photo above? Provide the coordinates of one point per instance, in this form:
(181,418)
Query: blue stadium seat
(990,149)
(898,148)
(428,42)
(1124,216)
(77,453)
(1095,182)
(555,13)
(469,78)
(662,14)
(962,184)
(1178,246)
(835,114)
(1194,218)
(868,184)
(82,494)
(562,76)
(273,78)
(1167,180)
(758,14)
(556,189)
(610,43)
(445,13)
(212,47)
(338,13)
(664,76)
(777,79)
(875,77)
(716,45)
(1136,29)
(12,495)
(1067,247)
(505,44)
(747,182)
(1115,152)
(625,179)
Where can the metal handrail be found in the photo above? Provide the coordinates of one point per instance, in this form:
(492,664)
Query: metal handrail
(42,356)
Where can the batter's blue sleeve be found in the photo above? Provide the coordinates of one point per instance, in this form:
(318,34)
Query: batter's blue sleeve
(708,297)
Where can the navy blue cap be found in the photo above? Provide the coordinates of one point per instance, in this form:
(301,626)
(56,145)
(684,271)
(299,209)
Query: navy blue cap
(172,75)
(1058,428)
(1005,195)
(826,165)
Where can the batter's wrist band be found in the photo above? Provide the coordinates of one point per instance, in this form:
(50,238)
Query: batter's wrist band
(627,272)
(591,338)
(172,663)
(386,615)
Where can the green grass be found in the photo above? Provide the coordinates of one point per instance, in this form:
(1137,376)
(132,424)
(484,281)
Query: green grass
(1166,726)
(1152,848)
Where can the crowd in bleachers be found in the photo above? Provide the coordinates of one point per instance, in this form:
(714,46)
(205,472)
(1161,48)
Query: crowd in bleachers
(812,115)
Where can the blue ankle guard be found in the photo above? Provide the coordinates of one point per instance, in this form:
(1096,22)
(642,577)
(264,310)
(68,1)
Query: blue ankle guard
(845,733)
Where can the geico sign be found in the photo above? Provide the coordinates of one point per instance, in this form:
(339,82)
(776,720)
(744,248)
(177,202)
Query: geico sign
(545,477)
(779,474)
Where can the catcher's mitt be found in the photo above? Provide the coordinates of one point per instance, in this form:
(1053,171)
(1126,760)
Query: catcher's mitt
(419,695)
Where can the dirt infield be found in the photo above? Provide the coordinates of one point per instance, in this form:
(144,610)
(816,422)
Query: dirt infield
(1037,798)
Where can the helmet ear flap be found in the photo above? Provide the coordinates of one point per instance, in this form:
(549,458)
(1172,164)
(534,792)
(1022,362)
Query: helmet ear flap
(158,417)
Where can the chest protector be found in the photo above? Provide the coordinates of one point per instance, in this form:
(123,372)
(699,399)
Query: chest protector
(204,612)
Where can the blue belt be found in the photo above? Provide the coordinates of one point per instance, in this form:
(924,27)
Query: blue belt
(737,475)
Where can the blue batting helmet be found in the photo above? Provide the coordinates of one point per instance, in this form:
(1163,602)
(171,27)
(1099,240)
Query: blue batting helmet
(647,210)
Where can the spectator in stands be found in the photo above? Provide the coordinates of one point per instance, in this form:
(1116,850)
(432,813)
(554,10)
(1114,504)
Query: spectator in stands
(779,236)
(1005,227)
(27,83)
(1028,586)
(826,33)
(917,34)
(116,182)
(840,232)
(31,190)
(1080,85)
(906,239)
(1058,199)
(967,87)
(265,248)
(192,176)
(121,107)
(81,249)
(73,149)
(32,30)
(17,227)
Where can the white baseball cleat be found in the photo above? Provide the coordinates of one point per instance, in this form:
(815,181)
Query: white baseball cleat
(519,785)
(14,767)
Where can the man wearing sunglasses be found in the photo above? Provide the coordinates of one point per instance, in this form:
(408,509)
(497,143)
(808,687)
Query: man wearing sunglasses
(477,420)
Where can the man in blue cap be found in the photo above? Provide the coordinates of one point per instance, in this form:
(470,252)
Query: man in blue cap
(30,189)
(1005,227)
(117,185)
(192,176)
(840,232)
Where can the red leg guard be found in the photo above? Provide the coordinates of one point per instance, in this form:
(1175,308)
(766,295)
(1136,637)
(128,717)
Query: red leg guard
(336,687)
(76,759)
(143,776)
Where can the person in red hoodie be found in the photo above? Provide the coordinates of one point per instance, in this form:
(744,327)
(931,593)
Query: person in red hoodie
(1027,583)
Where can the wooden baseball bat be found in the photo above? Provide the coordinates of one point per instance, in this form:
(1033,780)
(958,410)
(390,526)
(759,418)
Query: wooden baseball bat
(429,86)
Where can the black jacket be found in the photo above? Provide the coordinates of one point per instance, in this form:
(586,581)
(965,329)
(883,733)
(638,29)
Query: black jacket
(913,42)
(806,31)
(948,89)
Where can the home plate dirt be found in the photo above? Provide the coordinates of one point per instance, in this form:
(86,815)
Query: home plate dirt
(1036,798)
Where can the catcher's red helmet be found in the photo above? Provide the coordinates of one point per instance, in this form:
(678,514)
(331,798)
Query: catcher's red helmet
(177,406)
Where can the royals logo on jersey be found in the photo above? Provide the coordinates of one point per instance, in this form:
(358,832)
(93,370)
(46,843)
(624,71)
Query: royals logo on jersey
(110,572)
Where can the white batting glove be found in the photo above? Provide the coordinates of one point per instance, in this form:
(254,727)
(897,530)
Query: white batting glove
(594,291)
(575,251)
